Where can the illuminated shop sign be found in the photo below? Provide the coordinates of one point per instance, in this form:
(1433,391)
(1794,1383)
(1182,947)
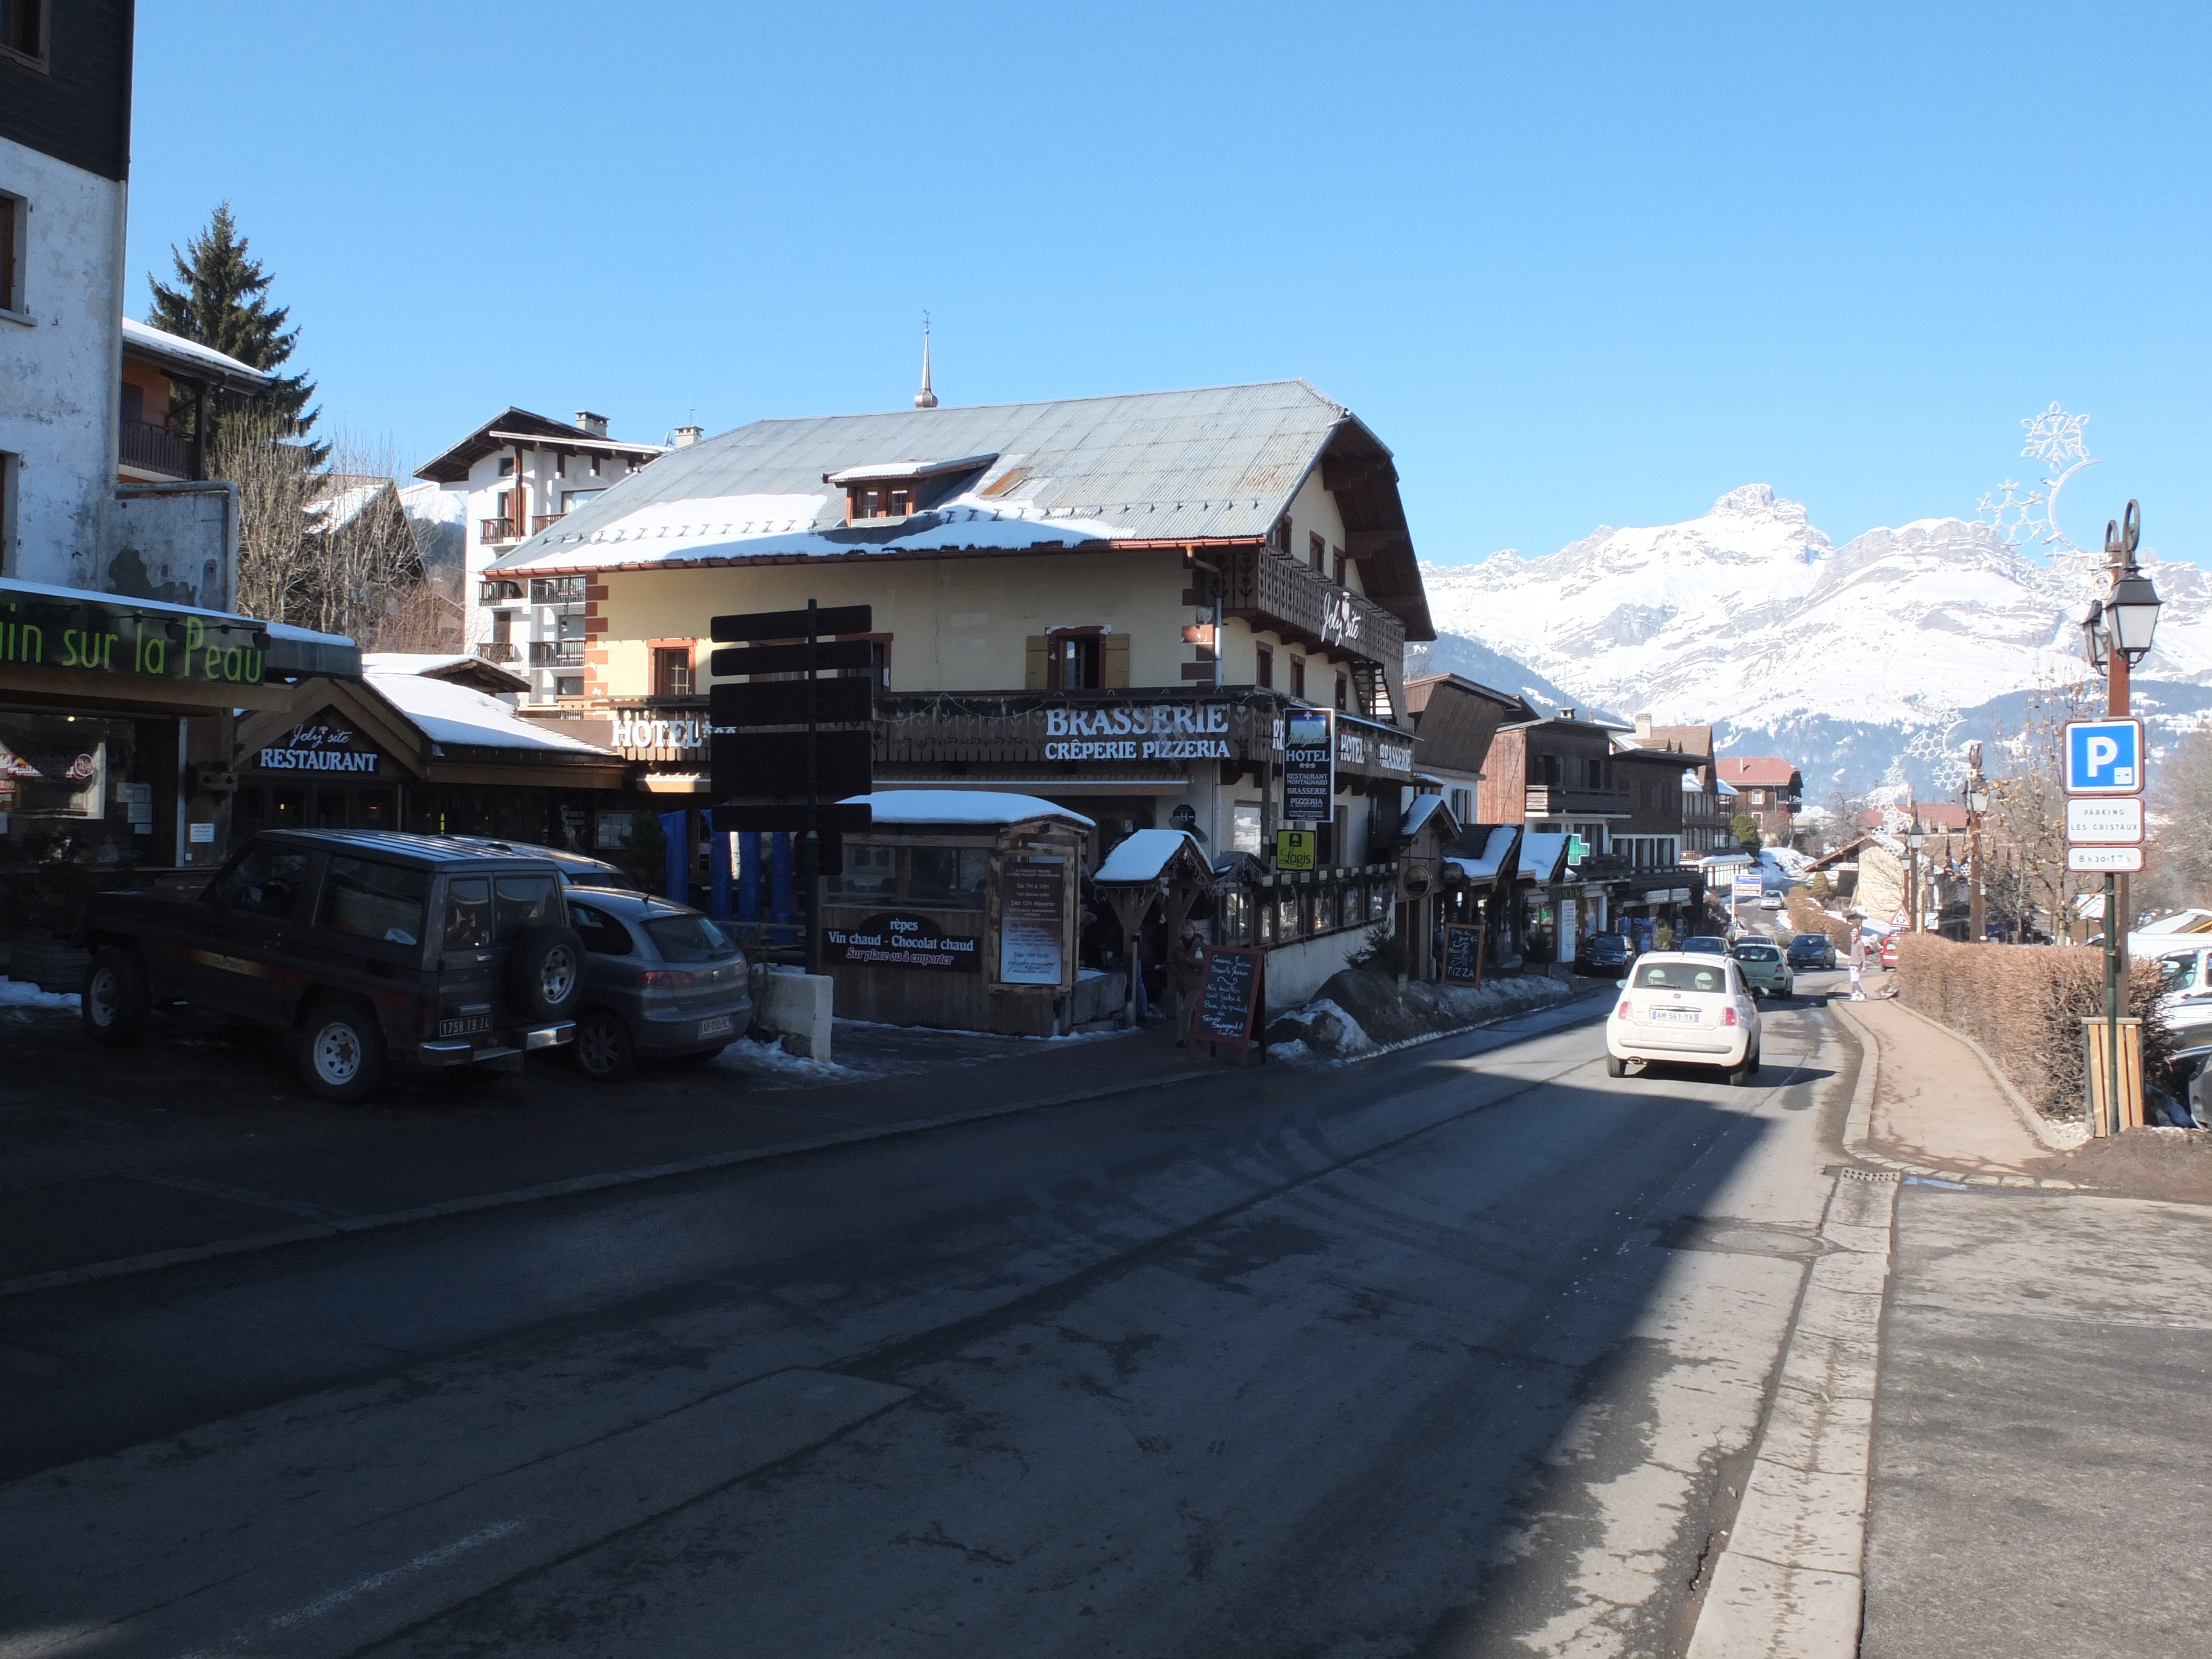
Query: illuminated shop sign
(1138,732)
(319,746)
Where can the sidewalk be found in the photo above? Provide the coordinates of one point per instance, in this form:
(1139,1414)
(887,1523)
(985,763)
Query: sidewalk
(2042,1430)
(198,1143)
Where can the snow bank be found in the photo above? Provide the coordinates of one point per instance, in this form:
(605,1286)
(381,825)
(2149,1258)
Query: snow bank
(20,993)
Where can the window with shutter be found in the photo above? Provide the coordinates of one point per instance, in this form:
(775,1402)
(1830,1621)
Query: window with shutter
(1115,665)
(1039,654)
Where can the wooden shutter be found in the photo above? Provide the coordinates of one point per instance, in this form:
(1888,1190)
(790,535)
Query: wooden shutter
(1039,648)
(1114,659)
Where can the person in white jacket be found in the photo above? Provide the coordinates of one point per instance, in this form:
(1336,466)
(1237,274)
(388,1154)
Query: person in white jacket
(1858,956)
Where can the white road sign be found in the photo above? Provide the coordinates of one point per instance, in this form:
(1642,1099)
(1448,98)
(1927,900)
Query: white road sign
(2104,820)
(2105,861)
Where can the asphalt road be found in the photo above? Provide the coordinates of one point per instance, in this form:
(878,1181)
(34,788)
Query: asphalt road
(1457,1352)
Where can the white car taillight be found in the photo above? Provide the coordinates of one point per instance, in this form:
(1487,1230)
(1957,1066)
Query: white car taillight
(1623,1014)
(1728,1016)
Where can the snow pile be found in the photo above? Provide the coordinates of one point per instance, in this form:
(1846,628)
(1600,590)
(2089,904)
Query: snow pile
(22,994)
(1359,1011)
(979,806)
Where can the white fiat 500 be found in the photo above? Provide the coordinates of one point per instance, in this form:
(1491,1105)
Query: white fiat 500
(1688,1009)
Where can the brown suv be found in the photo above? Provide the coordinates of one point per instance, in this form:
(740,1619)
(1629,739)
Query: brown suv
(366,947)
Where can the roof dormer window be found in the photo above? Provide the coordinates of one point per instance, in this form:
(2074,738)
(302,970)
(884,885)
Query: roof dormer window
(897,489)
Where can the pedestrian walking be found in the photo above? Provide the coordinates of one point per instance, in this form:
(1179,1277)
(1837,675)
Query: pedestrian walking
(1186,974)
(1662,935)
(1858,967)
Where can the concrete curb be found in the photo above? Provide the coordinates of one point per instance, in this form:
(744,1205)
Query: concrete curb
(250,1243)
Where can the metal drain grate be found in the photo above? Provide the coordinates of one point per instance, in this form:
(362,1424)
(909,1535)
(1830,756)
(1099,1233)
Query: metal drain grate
(1852,1172)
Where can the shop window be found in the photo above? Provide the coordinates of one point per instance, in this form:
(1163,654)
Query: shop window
(1378,903)
(1263,668)
(1352,907)
(947,878)
(1235,925)
(380,902)
(267,882)
(671,670)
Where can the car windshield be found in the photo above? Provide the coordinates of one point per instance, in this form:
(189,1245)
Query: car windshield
(690,938)
(2177,973)
(1688,977)
(1756,954)
(1608,942)
(1709,945)
(1816,940)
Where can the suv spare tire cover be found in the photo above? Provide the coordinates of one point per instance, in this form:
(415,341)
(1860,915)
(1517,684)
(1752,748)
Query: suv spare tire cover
(545,972)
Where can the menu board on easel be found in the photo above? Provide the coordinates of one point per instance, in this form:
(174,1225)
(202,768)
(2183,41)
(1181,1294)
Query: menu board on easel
(1462,953)
(1232,1002)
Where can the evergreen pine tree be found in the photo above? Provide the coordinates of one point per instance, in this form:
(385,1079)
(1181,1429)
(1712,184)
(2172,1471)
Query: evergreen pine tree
(220,299)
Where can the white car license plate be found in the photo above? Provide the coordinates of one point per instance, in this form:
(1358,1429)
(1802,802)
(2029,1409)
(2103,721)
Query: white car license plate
(715,1027)
(1674,1017)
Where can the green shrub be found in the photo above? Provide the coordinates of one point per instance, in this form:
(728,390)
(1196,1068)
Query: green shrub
(1383,951)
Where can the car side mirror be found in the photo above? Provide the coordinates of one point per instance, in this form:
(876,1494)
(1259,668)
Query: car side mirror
(1621,985)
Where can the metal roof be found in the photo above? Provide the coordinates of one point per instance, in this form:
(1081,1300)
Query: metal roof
(1216,463)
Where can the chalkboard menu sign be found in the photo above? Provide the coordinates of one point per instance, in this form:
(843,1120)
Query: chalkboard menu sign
(1032,921)
(1232,1004)
(1462,953)
(1309,767)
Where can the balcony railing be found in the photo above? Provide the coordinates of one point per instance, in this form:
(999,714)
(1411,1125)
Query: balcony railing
(495,530)
(557,590)
(539,520)
(496,651)
(155,449)
(1547,800)
(557,654)
(1279,593)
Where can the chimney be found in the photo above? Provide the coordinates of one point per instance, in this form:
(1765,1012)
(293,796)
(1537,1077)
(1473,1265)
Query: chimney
(1566,714)
(594,424)
(1643,726)
(688,436)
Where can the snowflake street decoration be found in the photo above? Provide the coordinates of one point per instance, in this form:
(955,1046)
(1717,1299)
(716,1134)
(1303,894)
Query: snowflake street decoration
(2058,440)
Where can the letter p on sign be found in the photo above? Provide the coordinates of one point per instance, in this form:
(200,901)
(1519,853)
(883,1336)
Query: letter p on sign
(2103,757)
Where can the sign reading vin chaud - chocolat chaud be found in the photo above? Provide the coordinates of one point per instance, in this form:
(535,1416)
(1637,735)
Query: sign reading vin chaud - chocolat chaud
(896,940)
(1138,732)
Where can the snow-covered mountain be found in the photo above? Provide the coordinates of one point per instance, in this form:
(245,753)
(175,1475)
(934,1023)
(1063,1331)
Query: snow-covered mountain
(1874,659)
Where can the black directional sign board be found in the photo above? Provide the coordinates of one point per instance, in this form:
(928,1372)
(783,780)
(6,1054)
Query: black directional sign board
(828,655)
(772,765)
(783,703)
(791,624)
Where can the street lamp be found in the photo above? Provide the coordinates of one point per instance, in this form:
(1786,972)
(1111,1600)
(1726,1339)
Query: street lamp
(1978,806)
(1914,841)
(2123,624)
(2132,613)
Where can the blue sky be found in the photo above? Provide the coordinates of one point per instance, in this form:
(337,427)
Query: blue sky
(1575,264)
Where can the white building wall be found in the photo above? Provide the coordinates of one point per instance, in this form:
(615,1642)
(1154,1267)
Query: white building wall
(61,367)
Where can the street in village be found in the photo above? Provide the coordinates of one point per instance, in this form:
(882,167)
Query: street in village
(1463,1350)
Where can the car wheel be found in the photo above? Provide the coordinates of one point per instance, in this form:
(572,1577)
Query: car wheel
(545,971)
(603,1050)
(1615,1066)
(340,1050)
(1744,1074)
(115,1001)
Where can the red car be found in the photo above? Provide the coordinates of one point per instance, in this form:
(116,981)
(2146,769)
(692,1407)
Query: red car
(1889,951)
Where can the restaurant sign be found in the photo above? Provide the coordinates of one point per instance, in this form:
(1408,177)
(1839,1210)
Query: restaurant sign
(1138,732)
(319,746)
(104,634)
(896,939)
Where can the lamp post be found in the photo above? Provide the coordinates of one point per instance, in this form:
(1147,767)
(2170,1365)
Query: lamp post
(1978,803)
(2116,634)
(1914,841)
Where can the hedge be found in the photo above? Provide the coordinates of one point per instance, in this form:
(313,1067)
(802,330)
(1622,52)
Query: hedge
(1806,917)
(2024,1004)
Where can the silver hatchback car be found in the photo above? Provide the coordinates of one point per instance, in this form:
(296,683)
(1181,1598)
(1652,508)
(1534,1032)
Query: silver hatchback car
(661,982)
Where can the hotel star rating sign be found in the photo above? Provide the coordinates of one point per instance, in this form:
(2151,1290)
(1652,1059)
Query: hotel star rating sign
(2104,786)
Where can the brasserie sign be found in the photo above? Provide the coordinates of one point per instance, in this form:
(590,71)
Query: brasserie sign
(1138,732)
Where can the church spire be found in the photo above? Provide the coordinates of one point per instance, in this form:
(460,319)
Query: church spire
(925,399)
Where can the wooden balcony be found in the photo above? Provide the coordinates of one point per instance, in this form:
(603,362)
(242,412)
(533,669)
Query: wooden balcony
(497,651)
(539,520)
(1275,592)
(1552,801)
(495,530)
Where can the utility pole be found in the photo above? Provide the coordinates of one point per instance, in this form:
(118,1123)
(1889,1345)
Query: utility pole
(810,849)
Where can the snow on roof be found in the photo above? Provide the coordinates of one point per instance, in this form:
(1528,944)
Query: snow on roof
(979,806)
(1146,855)
(1423,808)
(409,662)
(345,497)
(191,354)
(870,470)
(1540,853)
(1484,866)
(446,713)
(2181,921)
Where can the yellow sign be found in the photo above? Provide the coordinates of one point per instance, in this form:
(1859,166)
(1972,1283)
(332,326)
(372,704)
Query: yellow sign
(1296,849)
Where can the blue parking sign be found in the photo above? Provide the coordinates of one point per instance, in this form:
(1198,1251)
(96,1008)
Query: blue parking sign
(2103,757)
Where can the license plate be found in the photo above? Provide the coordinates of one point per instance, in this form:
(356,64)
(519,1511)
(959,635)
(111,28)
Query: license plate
(715,1027)
(469,1027)
(1674,1017)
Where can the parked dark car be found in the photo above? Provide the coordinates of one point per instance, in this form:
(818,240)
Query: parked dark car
(1812,951)
(1705,945)
(365,947)
(1604,954)
(661,982)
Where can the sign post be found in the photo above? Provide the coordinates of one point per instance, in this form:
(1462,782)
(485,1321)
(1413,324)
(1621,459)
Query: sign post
(2105,767)
(745,761)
